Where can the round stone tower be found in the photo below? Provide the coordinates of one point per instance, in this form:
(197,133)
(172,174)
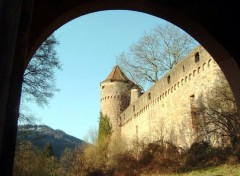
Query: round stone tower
(115,97)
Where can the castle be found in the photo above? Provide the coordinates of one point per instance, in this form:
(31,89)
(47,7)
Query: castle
(164,111)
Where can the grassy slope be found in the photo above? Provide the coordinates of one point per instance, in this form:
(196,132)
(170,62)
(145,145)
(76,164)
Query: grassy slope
(224,170)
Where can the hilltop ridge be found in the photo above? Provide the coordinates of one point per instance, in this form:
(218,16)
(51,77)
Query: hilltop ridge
(40,135)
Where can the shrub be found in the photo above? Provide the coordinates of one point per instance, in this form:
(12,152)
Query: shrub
(161,157)
(126,164)
(202,154)
(198,153)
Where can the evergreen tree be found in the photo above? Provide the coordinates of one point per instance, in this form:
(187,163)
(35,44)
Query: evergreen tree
(105,129)
(104,137)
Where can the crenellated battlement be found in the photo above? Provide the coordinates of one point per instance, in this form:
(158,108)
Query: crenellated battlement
(111,97)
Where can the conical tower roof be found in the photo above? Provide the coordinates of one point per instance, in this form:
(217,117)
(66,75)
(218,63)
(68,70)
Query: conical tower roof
(116,75)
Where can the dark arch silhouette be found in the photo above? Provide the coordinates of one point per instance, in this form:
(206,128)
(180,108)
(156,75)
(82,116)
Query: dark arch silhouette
(25,24)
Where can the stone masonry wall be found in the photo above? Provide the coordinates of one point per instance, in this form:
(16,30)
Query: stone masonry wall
(163,112)
(115,97)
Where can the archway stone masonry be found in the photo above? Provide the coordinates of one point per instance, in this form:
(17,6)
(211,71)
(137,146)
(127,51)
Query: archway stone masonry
(25,24)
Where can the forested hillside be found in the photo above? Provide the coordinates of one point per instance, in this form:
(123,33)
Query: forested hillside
(40,135)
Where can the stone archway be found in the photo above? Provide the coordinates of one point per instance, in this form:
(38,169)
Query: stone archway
(25,24)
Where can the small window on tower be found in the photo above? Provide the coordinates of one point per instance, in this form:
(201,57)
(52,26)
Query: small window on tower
(197,57)
(168,79)
(149,95)
(103,87)
(133,108)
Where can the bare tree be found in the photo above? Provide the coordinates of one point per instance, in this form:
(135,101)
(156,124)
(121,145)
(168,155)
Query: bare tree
(155,53)
(217,115)
(92,137)
(38,85)
(39,78)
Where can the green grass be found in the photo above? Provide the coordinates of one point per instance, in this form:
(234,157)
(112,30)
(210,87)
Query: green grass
(224,170)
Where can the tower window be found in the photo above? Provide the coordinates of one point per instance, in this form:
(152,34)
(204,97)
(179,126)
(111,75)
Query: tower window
(168,79)
(149,95)
(191,99)
(197,57)
(133,108)
(103,87)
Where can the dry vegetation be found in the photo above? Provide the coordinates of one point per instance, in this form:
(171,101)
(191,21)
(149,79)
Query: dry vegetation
(158,157)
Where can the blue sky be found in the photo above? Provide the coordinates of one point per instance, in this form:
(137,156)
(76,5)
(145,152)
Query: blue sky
(88,47)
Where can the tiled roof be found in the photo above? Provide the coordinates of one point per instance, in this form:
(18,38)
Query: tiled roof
(116,75)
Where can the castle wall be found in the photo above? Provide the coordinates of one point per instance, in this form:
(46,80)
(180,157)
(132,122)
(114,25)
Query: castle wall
(163,112)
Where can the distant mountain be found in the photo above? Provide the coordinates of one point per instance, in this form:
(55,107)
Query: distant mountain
(40,135)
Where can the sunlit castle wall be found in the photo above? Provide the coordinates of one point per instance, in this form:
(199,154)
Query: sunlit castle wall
(164,111)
